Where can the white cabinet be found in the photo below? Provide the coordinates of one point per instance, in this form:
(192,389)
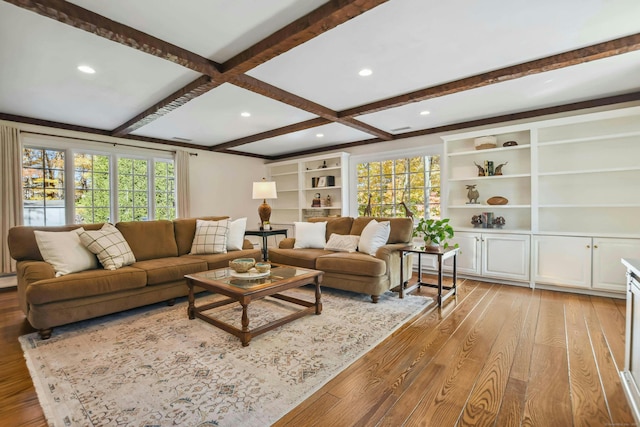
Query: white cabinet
(583,262)
(298,182)
(493,255)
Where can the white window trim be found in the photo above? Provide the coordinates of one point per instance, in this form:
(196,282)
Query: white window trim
(354,161)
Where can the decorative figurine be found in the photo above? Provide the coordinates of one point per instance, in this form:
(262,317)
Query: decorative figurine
(316,202)
(367,209)
(407,211)
(498,169)
(480,169)
(472,194)
(476,220)
(499,221)
(327,201)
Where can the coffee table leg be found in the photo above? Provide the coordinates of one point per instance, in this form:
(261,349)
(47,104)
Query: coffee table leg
(191,307)
(246,335)
(318,297)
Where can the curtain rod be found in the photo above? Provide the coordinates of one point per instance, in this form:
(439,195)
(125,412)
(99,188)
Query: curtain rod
(103,142)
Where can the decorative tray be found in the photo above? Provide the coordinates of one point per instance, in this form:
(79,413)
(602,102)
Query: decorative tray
(251,274)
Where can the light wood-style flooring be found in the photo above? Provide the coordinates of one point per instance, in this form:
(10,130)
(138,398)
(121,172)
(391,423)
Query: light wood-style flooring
(497,355)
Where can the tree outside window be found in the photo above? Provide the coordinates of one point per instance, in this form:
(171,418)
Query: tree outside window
(165,190)
(133,189)
(43,186)
(92,188)
(389,187)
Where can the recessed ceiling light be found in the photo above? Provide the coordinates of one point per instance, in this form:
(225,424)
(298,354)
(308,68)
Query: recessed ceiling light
(86,69)
(365,72)
(245,114)
(319,135)
(425,113)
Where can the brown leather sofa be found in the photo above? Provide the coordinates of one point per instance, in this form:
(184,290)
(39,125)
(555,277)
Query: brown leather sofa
(161,249)
(355,271)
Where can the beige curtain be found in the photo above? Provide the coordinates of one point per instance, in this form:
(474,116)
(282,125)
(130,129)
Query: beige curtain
(10,189)
(182,178)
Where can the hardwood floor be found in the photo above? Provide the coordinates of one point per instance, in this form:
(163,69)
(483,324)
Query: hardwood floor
(495,356)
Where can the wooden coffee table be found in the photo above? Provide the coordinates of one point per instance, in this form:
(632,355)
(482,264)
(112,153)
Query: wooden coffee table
(245,290)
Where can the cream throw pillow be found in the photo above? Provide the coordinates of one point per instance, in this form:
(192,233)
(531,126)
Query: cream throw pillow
(235,240)
(310,235)
(210,237)
(64,251)
(373,236)
(109,245)
(342,243)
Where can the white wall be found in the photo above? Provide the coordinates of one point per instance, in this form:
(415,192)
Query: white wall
(221,184)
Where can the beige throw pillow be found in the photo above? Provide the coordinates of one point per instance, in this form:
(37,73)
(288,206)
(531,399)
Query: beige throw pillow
(235,239)
(210,237)
(64,251)
(342,243)
(310,235)
(109,245)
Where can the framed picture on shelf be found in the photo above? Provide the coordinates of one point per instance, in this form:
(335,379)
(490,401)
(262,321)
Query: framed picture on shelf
(322,181)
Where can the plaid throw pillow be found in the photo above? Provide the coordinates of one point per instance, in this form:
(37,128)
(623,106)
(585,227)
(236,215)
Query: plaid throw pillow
(109,245)
(211,237)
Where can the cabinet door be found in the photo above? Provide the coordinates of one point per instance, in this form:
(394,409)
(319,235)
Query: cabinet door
(562,260)
(506,256)
(468,259)
(608,272)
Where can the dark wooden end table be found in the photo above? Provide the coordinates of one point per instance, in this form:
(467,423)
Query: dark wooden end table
(442,255)
(264,234)
(244,291)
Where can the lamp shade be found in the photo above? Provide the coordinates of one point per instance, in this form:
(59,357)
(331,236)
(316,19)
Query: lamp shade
(264,190)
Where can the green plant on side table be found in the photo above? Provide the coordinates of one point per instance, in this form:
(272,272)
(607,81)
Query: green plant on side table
(434,232)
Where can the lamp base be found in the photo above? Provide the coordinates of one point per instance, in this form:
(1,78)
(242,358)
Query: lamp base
(264,211)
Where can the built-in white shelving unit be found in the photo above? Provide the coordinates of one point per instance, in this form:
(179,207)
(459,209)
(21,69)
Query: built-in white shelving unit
(299,181)
(572,185)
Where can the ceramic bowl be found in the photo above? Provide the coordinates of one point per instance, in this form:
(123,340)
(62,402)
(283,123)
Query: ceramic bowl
(242,265)
(263,267)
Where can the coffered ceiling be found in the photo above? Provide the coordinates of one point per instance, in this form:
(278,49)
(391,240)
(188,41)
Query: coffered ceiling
(182,73)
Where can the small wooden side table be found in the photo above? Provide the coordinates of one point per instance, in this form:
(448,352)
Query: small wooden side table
(264,234)
(442,255)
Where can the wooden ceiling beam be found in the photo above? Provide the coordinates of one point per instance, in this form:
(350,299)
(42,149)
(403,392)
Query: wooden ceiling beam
(83,19)
(574,57)
(296,127)
(319,21)
(200,86)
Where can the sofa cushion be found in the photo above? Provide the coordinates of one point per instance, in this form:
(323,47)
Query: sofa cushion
(355,263)
(84,284)
(170,269)
(339,225)
(109,245)
(149,239)
(65,252)
(304,258)
(185,230)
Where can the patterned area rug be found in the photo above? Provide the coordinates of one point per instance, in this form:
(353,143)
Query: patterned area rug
(155,367)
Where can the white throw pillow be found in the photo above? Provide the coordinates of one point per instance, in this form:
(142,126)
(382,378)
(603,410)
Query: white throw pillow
(64,251)
(374,235)
(235,240)
(342,243)
(211,237)
(109,245)
(310,235)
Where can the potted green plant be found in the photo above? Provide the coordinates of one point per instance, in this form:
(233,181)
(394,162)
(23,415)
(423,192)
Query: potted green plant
(434,232)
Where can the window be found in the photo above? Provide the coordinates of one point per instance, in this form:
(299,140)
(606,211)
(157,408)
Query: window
(43,191)
(390,187)
(92,188)
(165,183)
(106,187)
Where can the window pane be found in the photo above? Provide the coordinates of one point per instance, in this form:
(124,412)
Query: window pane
(43,186)
(94,187)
